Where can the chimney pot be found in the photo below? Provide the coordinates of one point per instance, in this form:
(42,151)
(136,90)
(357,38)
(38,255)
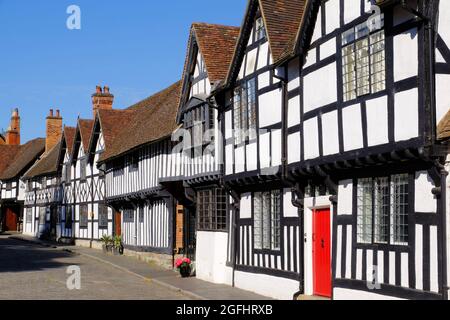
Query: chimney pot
(98,89)
(106,89)
(58,113)
(51,113)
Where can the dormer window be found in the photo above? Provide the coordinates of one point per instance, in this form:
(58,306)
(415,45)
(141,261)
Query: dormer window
(260,32)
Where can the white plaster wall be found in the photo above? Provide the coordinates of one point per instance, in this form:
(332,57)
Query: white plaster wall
(406,62)
(424,199)
(294,147)
(294,111)
(211,257)
(245,211)
(311,138)
(330,133)
(332,14)
(263,53)
(347,294)
(252,156)
(310,205)
(270,286)
(289,211)
(328,49)
(345,197)
(353,136)
(251,62)
(406,112)
(318,27)
(352,10)
(270,108)
(377,121)
(264,150)
(315,96)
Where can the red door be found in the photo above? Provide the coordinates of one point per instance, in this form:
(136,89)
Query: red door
(118,223)
(11,220)
(322,253)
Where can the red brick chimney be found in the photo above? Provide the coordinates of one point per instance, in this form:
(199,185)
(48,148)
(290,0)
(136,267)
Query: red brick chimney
(13,133)
(53,130)
(102,99)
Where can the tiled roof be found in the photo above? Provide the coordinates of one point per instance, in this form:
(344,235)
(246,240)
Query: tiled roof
(216,43)
(7,154)
(114,122)
(25,156)
(151,120)
(48,164)
(69,135)
(443,130)
(282,19)
(86,127)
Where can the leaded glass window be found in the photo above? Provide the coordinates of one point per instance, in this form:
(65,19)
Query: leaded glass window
(363,60)
(267,216)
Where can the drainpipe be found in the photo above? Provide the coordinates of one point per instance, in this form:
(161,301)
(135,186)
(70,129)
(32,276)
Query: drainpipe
(298,201)
(236,208)
(441,192)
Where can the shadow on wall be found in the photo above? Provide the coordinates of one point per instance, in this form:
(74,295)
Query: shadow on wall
(17,256)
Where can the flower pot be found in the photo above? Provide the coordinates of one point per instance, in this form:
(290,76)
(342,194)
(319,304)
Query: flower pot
(116,251)
(185,272)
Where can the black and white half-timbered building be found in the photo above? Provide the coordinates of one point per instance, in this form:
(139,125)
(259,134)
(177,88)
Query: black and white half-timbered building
(209,53)
(263,226)
(139,157)
(15,160)
(339,191)
(83,180)
(363,96)
(43,190)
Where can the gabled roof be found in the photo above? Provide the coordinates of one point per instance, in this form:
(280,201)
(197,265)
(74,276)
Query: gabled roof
(85,127)
(151,120)
(2,139)
(216,43)
(47,165)
(23,158)
(443,130)
(282,19)
(69,136)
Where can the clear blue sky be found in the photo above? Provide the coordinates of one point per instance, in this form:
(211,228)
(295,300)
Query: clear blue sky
(137,47)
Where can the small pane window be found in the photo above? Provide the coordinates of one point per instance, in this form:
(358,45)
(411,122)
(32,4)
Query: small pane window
(363,61)
(84,216)
(267,215)
(383,210)
(102,216)
(212,210)
(260,30)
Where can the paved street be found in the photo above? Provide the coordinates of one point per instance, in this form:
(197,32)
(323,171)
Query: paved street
(32,272)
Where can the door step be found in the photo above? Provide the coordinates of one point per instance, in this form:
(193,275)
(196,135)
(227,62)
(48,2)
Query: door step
(312,298)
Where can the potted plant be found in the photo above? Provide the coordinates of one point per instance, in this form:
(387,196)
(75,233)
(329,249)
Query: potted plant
(117,246)
(107,243)
(184,266)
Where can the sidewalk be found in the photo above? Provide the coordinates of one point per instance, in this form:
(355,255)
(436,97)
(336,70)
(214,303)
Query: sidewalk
(193,287)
